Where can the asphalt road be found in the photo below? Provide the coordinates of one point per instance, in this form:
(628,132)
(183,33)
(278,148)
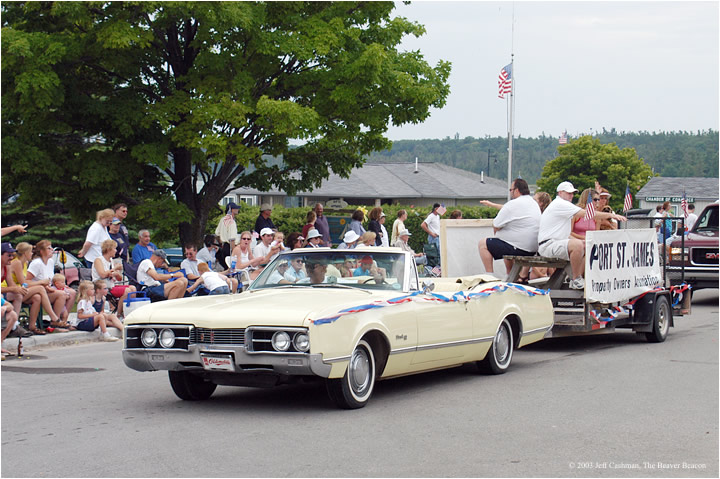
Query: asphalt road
(605,406)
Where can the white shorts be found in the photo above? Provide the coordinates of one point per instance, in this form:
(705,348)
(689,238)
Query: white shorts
(555,249)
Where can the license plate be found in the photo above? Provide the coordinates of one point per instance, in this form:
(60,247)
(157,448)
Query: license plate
(218,362)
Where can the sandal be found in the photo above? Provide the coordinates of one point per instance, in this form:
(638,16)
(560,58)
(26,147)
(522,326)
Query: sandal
(38,331)
(522,280)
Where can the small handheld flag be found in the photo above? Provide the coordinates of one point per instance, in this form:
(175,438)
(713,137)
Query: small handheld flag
(684,205)
(590,209)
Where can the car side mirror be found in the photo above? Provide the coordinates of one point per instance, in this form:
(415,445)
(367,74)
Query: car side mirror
(428,286)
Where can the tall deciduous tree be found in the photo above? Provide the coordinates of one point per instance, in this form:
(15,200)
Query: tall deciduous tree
(586,159)
(170,105)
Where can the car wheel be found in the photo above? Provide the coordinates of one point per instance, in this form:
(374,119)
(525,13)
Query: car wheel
(190,387)
(498,358)
(661,321)
(356,386)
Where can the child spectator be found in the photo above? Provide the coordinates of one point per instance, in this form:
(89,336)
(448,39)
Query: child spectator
(9,319)
(87,318)
(100,303)
(214,282)
(59,284)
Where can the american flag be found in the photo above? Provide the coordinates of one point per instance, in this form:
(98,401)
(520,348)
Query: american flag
(590,209)
(505,81)
(436,271)
(563,138)
(683,205)
(628,199)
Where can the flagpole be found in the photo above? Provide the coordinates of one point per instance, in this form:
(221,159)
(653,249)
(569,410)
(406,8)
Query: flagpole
(512,103)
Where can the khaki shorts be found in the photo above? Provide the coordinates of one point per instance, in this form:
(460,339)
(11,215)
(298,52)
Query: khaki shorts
(555,249)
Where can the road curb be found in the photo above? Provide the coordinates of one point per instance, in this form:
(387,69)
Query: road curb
(53,340)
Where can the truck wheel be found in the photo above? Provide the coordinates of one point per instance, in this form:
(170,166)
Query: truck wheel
(353,391)
(498,358)
(661,321)
(190,387)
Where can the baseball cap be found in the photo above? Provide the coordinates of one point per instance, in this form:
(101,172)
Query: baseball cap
(232,206)
(7,248)
(567,187)
(116,221)
(366,259)
(266,231)
(160,253)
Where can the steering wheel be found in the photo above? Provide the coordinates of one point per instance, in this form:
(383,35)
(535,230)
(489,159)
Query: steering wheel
(376,282)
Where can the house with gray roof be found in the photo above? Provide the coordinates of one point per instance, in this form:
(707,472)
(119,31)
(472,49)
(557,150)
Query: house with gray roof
(700,191)
(374,184)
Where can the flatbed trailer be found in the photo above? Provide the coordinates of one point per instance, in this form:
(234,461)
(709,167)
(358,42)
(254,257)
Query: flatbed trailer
(650,313)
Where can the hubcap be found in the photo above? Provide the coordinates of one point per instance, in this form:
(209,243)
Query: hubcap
(359,371)
(502,345)
(662,319)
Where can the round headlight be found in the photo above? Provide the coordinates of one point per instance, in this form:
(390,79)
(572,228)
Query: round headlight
(149,338)
(281,341)
(167,338)
(301,342)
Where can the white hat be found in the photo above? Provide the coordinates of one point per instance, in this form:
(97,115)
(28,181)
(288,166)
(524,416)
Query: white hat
(382,214)
(567,187)
(265,207)
(605,193)
(350,237)
(405,232)
(313,234)
(266,231)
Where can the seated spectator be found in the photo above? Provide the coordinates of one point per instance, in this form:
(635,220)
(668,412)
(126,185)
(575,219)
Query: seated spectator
(279,238)
(17,288)
(144,249)
(246,260)
(9,320)
(542,199)
(216,283)
(58,283)
(190,263)
(402,243)
(111,271)
(87,318)
(265,249)
(40,272)
(602,205)
(123,245)
(356,222)
(349,240)
(101,306)
(367,239)
(516,228)
(314,239)
(295,240)
(456,215)
(296,272)
(97,233)
(207,253)
(309,222)
(157,283)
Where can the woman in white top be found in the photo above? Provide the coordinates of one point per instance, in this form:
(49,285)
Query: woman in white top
(97,233)
(103,268)
(41,271)
(245,259)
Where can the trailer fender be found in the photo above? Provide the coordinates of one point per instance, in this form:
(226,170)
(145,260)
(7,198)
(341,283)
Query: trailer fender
(644,311)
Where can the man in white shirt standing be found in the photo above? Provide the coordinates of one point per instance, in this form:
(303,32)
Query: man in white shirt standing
(555,227)
(692,217)
(431,225)
(516,229)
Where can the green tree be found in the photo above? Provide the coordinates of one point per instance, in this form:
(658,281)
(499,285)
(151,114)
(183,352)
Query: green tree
(169,105)
(585,160)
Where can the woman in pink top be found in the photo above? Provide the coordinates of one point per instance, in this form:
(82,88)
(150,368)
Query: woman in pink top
(582,225)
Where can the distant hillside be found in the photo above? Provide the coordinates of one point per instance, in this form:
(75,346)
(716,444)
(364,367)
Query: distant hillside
(669,154)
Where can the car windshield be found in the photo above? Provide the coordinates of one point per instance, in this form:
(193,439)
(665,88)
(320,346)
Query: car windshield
(708,220)
(307,267)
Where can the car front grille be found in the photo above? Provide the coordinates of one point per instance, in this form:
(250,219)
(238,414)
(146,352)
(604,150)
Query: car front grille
(217,336)
(707,256)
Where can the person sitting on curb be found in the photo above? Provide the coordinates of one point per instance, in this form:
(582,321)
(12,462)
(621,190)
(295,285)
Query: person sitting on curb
(87,318)
(9,319)
(159,284)
(100,303)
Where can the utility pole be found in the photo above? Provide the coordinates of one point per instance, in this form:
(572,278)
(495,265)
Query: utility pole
(494,157)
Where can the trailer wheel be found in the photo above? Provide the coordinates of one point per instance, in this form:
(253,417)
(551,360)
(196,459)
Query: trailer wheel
(661,321)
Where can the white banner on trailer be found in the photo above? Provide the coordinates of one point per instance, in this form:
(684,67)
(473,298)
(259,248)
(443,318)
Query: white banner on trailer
(620,264)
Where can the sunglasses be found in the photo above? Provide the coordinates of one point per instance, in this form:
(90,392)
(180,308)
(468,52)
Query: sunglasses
(245,239)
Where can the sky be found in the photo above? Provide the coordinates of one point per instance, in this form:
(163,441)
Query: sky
(578,66)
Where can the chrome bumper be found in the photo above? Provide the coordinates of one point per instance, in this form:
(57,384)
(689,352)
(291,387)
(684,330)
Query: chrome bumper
(244,363)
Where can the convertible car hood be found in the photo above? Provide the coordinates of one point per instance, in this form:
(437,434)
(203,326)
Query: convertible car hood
(270,307)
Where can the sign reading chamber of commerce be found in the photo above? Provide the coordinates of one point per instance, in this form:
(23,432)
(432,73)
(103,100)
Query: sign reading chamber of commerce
(620,264)
(671,199)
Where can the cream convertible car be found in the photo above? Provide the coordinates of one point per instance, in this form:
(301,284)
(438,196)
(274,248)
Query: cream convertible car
(349,316)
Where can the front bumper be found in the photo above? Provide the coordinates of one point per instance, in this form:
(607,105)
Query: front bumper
(257,363)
